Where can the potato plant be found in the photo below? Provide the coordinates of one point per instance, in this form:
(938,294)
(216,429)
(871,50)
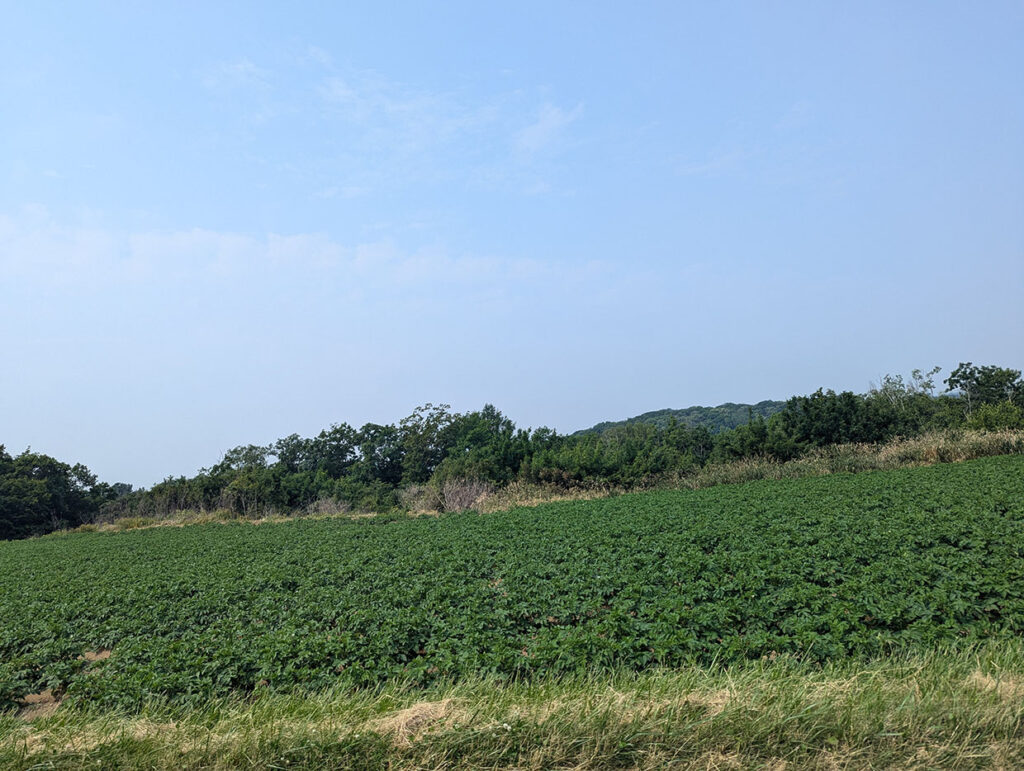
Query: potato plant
(828,568)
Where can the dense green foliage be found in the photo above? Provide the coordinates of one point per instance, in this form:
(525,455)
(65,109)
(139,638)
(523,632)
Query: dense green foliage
(39,494)
(833,567)
(715,419)
(437,459)
(375,467)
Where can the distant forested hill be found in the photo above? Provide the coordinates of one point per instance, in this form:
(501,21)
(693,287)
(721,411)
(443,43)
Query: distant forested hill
(715,419)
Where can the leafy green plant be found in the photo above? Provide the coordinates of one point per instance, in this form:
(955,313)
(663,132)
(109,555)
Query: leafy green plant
(829,568)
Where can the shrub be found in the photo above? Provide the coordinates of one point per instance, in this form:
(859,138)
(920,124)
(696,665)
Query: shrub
(327,507)
(459,494)
(425,498)
(993,417)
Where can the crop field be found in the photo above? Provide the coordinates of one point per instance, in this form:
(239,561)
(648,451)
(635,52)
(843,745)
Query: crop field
(831,568)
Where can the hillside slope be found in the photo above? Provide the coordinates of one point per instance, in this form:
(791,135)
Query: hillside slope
(720,418)
(826,568)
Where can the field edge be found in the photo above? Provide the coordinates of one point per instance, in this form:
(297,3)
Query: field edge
(955,708)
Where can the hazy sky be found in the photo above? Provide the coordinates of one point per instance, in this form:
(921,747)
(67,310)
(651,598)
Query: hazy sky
(222,223)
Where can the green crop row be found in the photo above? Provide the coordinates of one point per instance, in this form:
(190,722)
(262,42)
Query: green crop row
(827,568)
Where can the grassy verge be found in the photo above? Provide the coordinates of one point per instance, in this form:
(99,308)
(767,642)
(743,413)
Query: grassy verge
(946,709)
(926,450)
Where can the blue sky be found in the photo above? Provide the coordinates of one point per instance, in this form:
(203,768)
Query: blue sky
(221,223)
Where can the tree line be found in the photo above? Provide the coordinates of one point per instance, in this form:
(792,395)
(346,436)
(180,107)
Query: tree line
(721,418)
(428,457)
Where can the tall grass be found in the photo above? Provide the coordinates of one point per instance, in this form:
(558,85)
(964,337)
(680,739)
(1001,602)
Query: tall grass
(925,450)
(947,709)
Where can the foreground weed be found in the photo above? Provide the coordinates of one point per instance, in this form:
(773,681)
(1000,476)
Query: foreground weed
(945,709)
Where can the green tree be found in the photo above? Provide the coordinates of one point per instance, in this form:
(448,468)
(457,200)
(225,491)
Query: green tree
(39,494)
(482,445)
(293,453)
(244,458)
(986,385)
(380,454)
(425,437)
(334,450)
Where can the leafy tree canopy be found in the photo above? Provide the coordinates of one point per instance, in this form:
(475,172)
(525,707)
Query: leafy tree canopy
(986,385)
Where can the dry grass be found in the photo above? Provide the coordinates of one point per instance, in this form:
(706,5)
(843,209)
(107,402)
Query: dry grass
(926,450)
(421,499)
(327,507)
(176,519)
(463,494)
(521,494)
(412,722)
(317,510)
(1009,689)
(948,709)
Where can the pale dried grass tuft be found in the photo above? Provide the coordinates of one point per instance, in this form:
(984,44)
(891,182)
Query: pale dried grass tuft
(524,495)
(410,723)
(1008,689)
(717,760)
(713,703)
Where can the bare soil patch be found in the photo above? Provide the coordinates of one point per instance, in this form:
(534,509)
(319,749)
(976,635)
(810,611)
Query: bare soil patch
(92,656)
(39,705)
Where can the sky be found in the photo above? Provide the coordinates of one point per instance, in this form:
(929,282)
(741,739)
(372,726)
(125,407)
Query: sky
(223,223)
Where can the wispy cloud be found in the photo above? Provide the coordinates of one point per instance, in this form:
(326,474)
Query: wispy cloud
(39,254)
(396,118)
(367,132)
(317,55)
(548,128)
(795,118)
(716,163)
(346,192)
(238,73)
(335,90)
